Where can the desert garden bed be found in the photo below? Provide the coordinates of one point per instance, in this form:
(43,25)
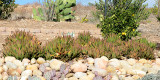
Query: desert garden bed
(83,58)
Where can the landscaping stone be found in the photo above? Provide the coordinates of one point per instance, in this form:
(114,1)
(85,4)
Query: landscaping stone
(79,67)
(105,58)
(11,65)
(26,73)
(69,75)
(158,61)
(100,63)
(1,70)
(18,62)
(5,75)
(33,60)
(9,58)
(55,64)
(101,72)
(79,74)
(90,60)
(40,61)
(128,69)
(5,68)
(131,61)
(1,61)
(37,72)
(72,78)
(115,63)
(143,61)
(31,67)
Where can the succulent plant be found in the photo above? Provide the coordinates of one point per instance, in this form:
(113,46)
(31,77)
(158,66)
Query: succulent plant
(34,77)
(63,9)
(64,48)
(22,45)
(12,78)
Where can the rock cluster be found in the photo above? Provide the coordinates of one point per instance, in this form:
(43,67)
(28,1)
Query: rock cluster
(114,69)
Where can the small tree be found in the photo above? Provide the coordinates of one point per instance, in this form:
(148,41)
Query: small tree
(122,17)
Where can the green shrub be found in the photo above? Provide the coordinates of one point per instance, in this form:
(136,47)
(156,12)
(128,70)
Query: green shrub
(122,18)
(22,45)
(64,48)
(145,14)
(6,7)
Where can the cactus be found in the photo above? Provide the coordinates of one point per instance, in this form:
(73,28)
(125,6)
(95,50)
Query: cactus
(38,15)
(34,77)
(63,9)
(55,11)
(12,78)
(22,45)
(46,12)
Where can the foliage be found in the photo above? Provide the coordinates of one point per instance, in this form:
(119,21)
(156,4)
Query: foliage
(122,18)
(145,14)
(84,19)
(113,47)
(21,45)
(154,10)
(55,10)
(144,40)
(64,48)
(45,12)
(38,15)
(83,38)
(100,10)
(6,7)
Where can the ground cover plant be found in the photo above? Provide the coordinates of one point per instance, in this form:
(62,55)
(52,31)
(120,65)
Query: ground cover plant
(22,45)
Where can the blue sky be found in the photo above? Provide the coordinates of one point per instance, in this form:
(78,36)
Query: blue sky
(84,2)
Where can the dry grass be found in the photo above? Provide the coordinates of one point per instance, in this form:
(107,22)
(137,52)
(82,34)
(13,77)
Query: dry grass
(81,11)
(24,11)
